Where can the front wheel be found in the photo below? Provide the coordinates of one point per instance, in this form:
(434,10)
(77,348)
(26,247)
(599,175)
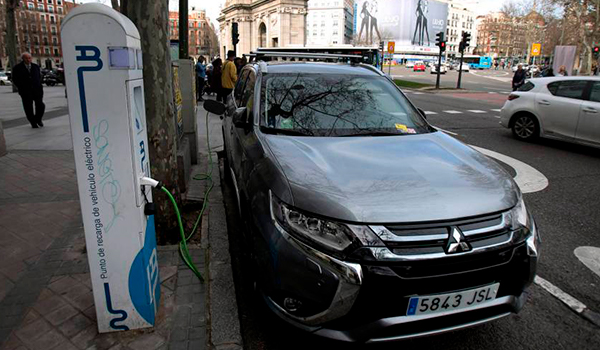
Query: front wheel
(525,127)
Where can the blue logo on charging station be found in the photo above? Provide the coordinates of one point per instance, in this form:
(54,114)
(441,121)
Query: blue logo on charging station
(83,56)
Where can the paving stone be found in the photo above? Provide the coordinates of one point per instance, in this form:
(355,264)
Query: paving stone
(48,305)
(197,333)
(48,340)
(13,342)
(74,325)
(83,302)
(90,312)
(182,345)
(61,314)
(147,341)
(84,339)
(62,285)
(179,334)
(33,330)
(30,317)
(197,345)
(45,294)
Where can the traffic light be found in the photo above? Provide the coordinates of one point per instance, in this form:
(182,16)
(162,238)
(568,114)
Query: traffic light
(381,47)
(466,38)
(234,33)
(596,51)
(439,41)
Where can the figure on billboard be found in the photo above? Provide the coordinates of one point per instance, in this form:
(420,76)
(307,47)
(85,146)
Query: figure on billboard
(369,22)
(421,26)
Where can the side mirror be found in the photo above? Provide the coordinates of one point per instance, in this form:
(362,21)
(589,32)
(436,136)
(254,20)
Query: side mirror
(239,117)
(422,113)
(214,107)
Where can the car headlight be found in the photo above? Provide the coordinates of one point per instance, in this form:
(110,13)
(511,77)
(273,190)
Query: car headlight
(524,226)
(335,238)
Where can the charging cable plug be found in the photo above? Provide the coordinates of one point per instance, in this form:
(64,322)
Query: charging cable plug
(148,181)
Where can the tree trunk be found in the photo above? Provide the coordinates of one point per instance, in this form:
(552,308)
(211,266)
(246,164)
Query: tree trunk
(11,35)
(151,18)
(115,5)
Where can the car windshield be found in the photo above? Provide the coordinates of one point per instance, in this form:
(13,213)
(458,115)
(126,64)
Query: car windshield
(336,105)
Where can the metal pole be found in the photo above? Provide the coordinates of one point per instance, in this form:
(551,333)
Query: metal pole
(183,29)
(439,68)
(390,68)
(460,69)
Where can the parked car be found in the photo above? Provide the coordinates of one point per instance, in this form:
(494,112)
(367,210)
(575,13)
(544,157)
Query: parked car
(565,108)
(410,64)
(443,69)
(4,79)
(419,67)
(364,222)
(464,67)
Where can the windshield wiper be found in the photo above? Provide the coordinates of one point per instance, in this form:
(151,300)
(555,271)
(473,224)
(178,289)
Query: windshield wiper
(276,131)
(375,133)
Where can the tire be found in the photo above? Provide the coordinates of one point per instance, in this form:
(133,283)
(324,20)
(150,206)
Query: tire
(525,127)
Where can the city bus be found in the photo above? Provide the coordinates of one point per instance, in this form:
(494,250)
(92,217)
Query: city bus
(478,62)
(371,55)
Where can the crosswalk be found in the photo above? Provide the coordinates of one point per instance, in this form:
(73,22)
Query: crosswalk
(472,111)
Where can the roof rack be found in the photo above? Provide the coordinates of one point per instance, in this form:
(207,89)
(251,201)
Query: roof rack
(327,57)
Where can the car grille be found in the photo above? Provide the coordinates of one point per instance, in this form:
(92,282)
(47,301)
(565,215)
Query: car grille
(431,238)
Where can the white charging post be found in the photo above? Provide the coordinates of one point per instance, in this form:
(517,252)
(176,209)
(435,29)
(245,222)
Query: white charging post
(103,71)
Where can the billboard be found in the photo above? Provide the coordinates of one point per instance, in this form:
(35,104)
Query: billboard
(412,24)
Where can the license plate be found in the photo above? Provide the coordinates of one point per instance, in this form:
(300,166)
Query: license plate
(430,304)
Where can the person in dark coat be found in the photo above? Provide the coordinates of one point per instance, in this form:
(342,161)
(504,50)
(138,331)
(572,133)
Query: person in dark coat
(28,79)
(519,77)
(215,83)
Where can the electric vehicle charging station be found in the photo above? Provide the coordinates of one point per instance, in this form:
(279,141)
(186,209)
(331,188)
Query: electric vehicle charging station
(103,72)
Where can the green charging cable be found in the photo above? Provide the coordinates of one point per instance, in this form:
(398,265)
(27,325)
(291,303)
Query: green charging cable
(183,248)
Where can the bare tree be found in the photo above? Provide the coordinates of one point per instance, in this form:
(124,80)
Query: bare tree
(151,18)
(11,35)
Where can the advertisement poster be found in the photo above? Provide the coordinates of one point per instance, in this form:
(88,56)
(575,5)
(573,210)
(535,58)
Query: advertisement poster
(412,24)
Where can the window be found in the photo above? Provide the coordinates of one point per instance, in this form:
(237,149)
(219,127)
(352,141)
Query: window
(30,6)
(54,41)
(527,86)
(248,96)
(47,51)
(568,88)
(239,88)
(50,9)
(595,93)
(55,52)
(59,2)
(60,10)
(40,7)
(49,1)
(52,20)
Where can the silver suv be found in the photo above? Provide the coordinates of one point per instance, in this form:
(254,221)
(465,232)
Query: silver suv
(365,223)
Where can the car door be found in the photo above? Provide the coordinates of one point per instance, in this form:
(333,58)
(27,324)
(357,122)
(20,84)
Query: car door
(588,128)
(558,107)
(228,129)
(243,137)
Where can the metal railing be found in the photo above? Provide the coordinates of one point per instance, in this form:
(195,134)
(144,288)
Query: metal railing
(302,56)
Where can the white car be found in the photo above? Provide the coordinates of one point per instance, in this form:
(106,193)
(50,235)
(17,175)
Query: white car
(525,67)
(4,79)
(464,67)
(443,70)
(410,64)
(566,108)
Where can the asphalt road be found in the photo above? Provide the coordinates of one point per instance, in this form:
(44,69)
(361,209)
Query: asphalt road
(475,80)
(566,213)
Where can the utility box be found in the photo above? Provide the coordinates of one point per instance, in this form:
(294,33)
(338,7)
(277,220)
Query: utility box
(103,71)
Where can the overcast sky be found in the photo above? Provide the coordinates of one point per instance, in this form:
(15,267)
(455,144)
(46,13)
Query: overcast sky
(213,7)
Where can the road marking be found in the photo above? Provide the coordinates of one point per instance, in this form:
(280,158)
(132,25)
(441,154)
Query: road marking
(571,302)
(417,93)
(492,92)
(528,178)
(590,257)
(430,112)
(446,131)
(497,116)
(452,112)
(476,111)
(496,110)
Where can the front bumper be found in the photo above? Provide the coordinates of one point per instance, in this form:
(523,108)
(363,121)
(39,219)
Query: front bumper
(370,301)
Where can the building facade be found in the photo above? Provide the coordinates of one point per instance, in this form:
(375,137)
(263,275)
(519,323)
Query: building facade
(501,36)
(262,23)
(38,30)
(461,18)
(329,22)
(201,33)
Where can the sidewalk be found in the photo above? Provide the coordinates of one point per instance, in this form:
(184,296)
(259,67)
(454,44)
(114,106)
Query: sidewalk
(46,298)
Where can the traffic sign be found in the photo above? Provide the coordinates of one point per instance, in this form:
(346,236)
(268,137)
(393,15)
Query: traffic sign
(536,49)
(391,47)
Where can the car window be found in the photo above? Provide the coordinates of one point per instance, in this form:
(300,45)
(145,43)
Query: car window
(337,105)
(239,87)
(526,87)
(595,93)
(248,95)
(568,88)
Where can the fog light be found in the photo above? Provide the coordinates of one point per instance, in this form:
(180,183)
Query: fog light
(291,304)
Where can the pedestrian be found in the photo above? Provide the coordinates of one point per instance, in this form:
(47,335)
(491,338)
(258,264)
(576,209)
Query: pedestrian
(28,79)
(215,82)
(243,62)
(229,75)
(519,77)
(562,71)
(549,72)
(200,78)
(496,65)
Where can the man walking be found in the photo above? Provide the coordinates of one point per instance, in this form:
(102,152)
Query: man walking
(518,78)
(28,79)
(200,78)
(229,75)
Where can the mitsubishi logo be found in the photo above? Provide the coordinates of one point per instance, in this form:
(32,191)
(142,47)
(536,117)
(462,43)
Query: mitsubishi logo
(456,242)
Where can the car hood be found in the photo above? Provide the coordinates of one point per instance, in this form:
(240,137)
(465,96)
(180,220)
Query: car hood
(392,179)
